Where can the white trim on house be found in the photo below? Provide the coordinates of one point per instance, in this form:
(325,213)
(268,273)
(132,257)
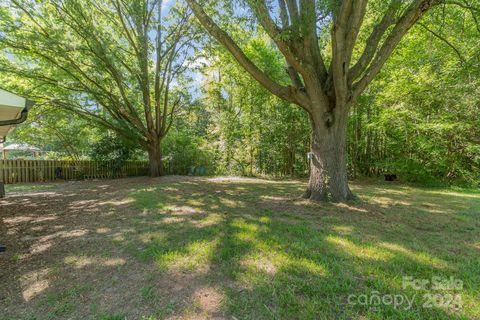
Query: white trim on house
(11,107)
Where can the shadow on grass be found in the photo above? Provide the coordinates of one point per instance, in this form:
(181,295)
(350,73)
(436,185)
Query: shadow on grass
(60,261)
(272,255)
(242,248)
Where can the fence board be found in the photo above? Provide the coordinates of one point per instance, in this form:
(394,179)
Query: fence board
(19,171)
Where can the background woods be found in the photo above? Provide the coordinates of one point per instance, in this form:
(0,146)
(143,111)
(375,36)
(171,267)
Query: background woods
(131,72)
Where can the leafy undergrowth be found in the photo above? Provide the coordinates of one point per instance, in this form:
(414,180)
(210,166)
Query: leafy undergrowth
(232,248)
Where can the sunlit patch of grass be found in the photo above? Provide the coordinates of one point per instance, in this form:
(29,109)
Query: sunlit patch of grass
(29,187)
(195,256)
(370,252)
(83,261)
(343,230)
(420,257)
(194,202)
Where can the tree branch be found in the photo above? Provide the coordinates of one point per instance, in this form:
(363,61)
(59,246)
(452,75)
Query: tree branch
(460,57)
(414,12)
(286,93)
(373,41)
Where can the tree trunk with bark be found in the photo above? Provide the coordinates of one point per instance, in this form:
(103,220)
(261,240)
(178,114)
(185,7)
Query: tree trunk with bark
(155,160)
(328,168)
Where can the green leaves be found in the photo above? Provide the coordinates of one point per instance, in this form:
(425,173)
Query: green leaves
(423,121)
(113,62)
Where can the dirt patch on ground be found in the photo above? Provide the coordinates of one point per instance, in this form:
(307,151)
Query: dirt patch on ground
(63,259)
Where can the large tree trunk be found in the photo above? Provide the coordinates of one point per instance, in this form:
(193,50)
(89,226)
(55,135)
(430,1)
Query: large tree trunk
(155,159)
(328,169)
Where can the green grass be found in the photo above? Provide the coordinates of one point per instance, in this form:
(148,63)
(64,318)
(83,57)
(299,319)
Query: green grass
(148,293)
(29,187)
(112,317)
(63,302)
(272,256)
(253,250)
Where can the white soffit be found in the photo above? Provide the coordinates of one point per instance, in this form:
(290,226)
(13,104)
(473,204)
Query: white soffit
(11,107)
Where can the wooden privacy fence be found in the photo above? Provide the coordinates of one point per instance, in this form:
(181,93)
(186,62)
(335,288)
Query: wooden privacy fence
(17,171)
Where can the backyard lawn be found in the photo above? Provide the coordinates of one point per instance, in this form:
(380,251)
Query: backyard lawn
(237,248)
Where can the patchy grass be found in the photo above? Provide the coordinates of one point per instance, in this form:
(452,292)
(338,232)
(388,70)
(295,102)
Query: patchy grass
(250,249)
(29,187)
(273,256)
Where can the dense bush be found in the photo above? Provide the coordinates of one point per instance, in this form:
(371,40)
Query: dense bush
(187,155)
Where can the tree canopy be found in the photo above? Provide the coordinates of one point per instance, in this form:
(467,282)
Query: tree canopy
(364,87)
(120,64)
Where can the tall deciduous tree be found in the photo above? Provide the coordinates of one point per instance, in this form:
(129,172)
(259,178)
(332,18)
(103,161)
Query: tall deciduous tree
(325,83)
(117,62)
